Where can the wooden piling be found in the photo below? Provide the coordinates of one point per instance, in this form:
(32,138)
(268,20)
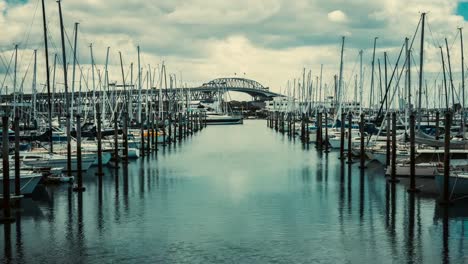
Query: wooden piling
(148,135)
(116,143)
(7,217)
(393,178)
(446,192)
(325,142)
(412,188)
(125,137)
(342,134)
(142,138)
(319,131)
(17,156)
(362,152)
(164,130)
(388,146)
(79,165)
(174,124)
(99,141)
(350,152)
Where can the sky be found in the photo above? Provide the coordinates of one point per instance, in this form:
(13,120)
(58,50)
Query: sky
(270,41)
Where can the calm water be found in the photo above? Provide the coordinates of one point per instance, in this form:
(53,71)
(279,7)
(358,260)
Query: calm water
(236,194)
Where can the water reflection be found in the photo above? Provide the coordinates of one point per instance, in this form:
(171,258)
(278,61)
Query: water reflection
(245,197)
(7,242)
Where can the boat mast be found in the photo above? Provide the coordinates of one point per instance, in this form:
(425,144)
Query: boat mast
(34,86)
(421,64)
(74,66)
(450,74)
(14,81)
(106,99)
(463,81)
(340,81)
(139,86)
(408,83)
(65,79)
(320,93)
(94,83)
(49,104)
(360,82)
(445,79)
(372,75)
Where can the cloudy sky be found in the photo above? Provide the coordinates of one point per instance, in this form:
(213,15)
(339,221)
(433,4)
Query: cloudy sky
(266,40)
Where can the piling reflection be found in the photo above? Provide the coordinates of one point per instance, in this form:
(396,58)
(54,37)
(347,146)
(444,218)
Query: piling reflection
(410,227)
(361,194)
(19,236)
(349,188)
(7,242)
(445,235)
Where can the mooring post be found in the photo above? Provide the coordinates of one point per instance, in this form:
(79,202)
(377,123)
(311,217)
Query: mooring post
(362,152)
(393,178)
(155,131)
(294,126)
(174,123)
(153,135)
(412,188)
(350,138)
(99,141)
(17,156)
(446,192)
(325,142)
(125,137)
(319,131)
(276,121)
(387,155)
(342,134)
(142,138)
(437,130)
(307,133)
(148,135)
(180,127)
(79,168)
(116,143)
(7,217)
(164,130)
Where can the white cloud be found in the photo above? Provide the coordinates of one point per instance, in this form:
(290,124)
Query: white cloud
(337,16)
(270,40)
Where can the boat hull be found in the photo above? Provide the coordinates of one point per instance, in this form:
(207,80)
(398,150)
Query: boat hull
(27,183)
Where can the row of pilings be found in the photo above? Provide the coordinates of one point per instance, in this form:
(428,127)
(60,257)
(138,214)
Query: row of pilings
(314,129)
(157,133)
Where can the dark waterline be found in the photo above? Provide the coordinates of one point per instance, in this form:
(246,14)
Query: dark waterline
(236,194)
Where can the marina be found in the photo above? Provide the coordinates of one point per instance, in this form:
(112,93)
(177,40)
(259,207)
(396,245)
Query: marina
(210,200)
(111,154)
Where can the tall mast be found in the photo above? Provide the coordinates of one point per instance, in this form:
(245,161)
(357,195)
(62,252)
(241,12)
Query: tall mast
(74,68)
(34,86)
(445,79)
(320,93)
(14,80)
(450,73)
(463,82)
(106,83)
(372,74)
(65,79)
(421,64)
(380,82)
(49,103)
(360,82)
(386,80)
(340,81)
(139,86)
(94,82)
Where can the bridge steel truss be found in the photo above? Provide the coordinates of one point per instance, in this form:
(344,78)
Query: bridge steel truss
(115,95)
